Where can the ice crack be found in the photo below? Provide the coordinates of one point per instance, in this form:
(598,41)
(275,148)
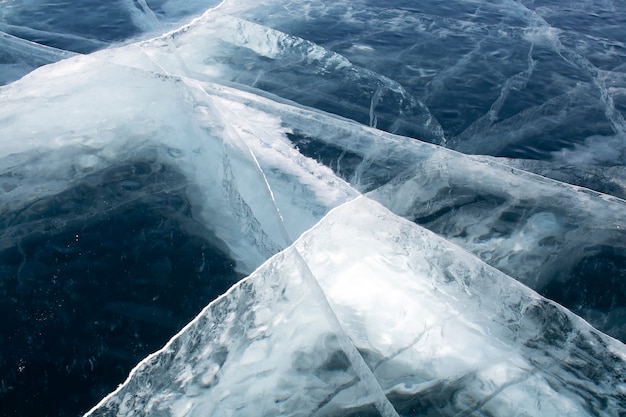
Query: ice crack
(382,403)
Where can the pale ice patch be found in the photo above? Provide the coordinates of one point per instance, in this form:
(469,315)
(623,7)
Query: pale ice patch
(597,150)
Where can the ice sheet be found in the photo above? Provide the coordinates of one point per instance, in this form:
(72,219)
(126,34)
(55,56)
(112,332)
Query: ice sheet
(273,113)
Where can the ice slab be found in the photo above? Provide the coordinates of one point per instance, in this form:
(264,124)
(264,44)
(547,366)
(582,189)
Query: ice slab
(441,333)
(270,346)
(565,241)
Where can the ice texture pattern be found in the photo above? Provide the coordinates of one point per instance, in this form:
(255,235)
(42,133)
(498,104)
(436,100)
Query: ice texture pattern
(427,200)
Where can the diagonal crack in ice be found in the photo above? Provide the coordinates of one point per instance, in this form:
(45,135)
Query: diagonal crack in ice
(383,404)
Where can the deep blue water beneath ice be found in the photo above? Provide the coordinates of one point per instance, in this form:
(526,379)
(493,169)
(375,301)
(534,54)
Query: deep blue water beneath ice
(101,279)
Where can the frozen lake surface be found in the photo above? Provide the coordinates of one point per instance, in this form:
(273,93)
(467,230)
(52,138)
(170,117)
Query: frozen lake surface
(408,208)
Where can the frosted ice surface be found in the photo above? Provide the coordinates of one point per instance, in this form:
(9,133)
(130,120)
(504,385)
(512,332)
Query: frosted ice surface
(441,334)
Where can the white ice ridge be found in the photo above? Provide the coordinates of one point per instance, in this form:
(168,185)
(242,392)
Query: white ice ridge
(86,114)
(437,328)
